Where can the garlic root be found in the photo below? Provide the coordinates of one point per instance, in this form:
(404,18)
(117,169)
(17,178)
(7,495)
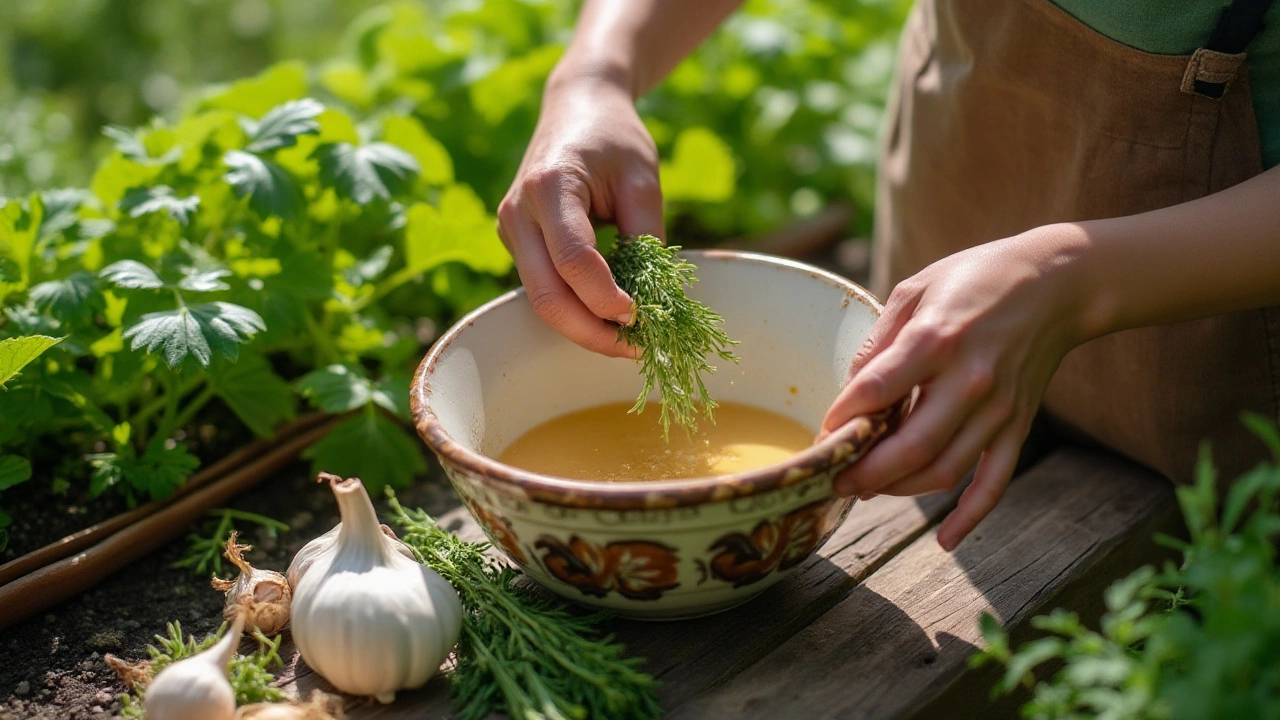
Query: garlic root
(134,674)
(263,596)
(321,706)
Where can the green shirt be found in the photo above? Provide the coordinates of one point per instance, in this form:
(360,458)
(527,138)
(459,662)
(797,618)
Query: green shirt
(1178,27)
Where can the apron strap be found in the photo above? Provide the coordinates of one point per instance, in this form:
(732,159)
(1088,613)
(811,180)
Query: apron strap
(1214,66)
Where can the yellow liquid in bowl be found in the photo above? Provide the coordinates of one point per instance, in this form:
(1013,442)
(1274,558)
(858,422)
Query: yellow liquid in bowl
(609,444)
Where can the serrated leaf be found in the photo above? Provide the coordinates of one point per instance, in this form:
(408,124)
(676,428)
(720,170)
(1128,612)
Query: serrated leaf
(271,189)
(161,470)
(194,280)
(131,145)
(13,470)
(61,210)
(254,392)
(197,331)
(370,267)
(363,173)
(69,299)
(701,168)
(434,163)
(372,447)
(392,394)
(17,353)
(282,125)
(335,389)
(458,230)
(131,275)
(142,201)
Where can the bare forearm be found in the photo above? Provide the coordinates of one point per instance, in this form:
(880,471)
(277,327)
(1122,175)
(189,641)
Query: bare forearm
(1214,255)
(635,43)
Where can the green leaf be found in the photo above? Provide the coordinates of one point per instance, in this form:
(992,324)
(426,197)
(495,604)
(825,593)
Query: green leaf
(1266,430)
(256,96)
(281,127)
(701,168)
(335,389)
(16,353)
(160,470)
(458,230)
(377,170)
(516,82)
(369,268)
(69,299)
(160,198)
(405,132)
(131,145)
(13,470)
(372,447)
(271,189)
(197,331)
(254,392)
(131,275)
(61,210)
(392,394)
(194,280)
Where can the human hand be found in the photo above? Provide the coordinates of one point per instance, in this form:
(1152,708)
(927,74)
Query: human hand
(590,157)
(981,333)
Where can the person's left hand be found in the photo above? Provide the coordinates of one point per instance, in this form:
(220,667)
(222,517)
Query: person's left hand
(981,333)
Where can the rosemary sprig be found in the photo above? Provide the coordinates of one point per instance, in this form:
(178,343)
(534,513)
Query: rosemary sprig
(675,333)
(519,654)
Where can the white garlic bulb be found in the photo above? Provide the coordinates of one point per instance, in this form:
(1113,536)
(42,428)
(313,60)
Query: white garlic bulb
(368,619)
(262,596)
(196,688)
(319,547)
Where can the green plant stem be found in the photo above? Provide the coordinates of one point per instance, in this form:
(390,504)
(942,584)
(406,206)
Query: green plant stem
(194,406)
(157,404)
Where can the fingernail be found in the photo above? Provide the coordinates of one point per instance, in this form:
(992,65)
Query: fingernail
(866,496)
(622,318)
(821,436)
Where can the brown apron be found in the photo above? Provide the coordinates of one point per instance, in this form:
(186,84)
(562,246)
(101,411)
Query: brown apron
(1010,115)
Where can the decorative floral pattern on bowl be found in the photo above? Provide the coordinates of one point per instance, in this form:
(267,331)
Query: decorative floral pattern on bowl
(636,569)
(668,549)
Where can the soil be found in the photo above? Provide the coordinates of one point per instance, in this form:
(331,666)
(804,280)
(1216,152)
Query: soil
(51,666)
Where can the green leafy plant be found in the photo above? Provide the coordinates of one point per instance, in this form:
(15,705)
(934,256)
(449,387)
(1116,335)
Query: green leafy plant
(675,333)
(204,552)
(1195,640)
(519,654)
(250,675)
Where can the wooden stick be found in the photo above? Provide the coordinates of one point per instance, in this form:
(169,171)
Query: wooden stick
(82,539)
(58,581)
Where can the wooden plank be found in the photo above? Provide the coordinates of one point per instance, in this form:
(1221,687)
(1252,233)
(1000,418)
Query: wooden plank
(905,634)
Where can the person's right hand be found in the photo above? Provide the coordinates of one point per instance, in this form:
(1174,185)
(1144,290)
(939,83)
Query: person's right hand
(590,158)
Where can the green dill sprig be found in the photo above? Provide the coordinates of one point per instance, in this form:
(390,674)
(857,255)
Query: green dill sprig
(522,655)
(675,333)
(250,676)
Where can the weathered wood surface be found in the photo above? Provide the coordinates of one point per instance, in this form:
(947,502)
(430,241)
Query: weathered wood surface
(907,632)
(881,621)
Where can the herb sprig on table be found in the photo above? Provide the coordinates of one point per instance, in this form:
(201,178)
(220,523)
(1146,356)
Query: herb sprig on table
(523,655)
(675,333)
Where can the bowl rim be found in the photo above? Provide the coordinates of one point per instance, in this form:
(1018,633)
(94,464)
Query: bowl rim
(839,449)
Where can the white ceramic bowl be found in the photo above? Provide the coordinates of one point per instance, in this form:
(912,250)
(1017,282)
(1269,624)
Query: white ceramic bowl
(668,549)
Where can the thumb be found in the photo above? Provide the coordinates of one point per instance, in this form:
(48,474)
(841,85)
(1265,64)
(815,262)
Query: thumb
(638,205)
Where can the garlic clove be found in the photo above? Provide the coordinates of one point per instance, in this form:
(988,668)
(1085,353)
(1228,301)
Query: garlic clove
(321,706)
(263,596)
(196,688)
(305,557)
(365,617)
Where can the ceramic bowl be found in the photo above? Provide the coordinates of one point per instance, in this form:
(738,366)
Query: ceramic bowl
(667,549)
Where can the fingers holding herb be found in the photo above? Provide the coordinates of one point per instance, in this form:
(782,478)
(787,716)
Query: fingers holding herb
(676,334)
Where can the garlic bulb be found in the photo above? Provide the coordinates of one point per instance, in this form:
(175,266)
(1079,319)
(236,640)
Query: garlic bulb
(196,688)
(321,706)
(261,595)
(320,546)
(365,617)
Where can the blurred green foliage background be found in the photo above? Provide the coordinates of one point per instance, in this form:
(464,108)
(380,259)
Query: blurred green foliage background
(790,91)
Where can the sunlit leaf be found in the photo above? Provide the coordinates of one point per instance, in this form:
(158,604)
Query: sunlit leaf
(701,168)
(61,210)
(281,127)
(160,198)
(335,389)
(72,298)
(197,331)
(131,145)
(458,230)
(132,275)
(256,96)
(433,159)
(377,170)
(194,280)
(372,447)
(516,82)
(17,353)
(270,188)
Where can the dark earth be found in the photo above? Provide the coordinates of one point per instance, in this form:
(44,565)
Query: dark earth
(51,665)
